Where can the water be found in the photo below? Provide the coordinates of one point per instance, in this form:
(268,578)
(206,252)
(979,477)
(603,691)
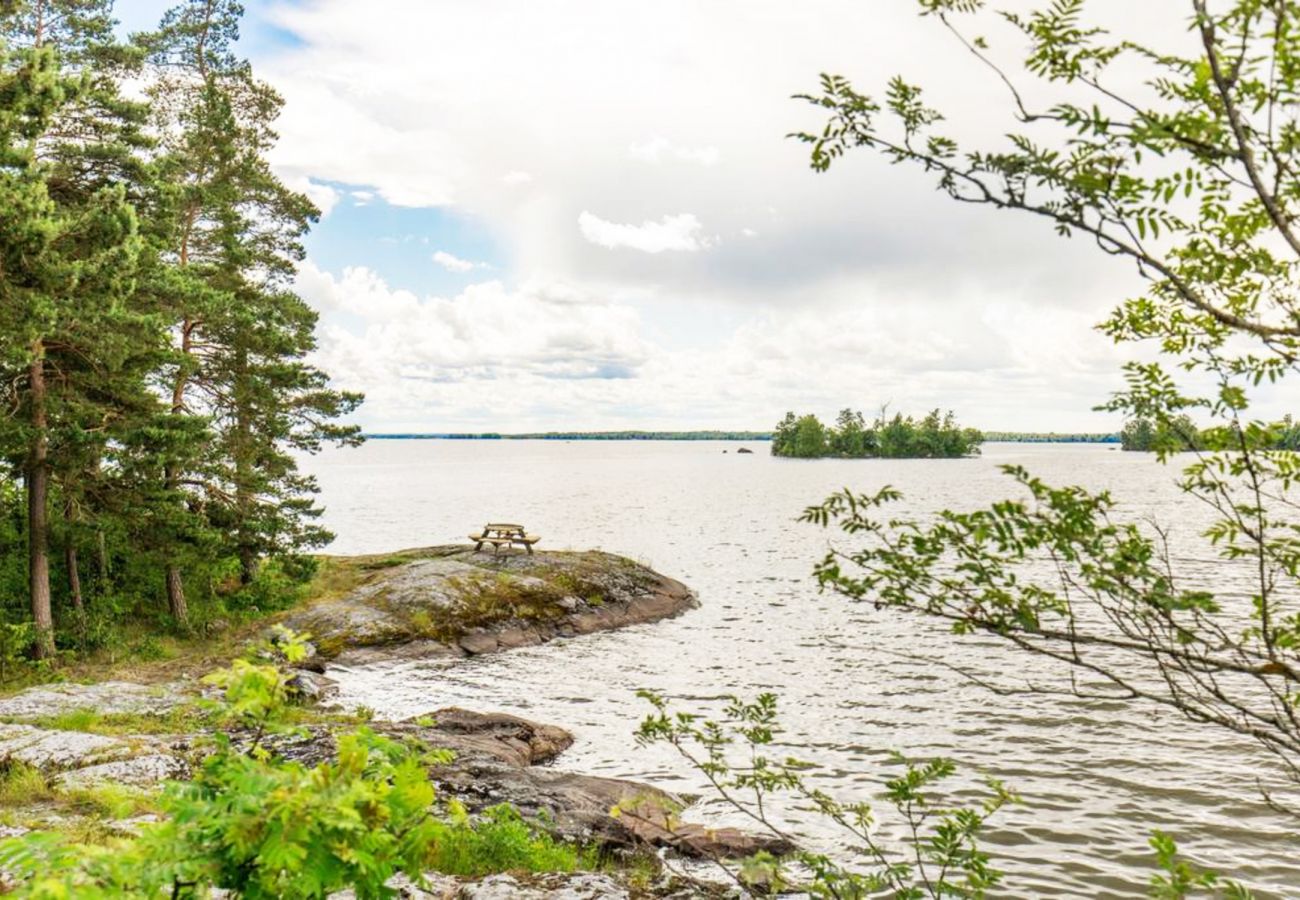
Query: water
(1096,777)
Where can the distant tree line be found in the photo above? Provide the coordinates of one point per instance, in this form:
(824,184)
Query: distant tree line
(1051,437)
(1178,433)
(935,436)
(584,436)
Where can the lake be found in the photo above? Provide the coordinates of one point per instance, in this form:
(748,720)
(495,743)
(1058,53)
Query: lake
(1096,777)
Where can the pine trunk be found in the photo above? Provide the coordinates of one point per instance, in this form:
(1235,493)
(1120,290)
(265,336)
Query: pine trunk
(74,577)
(70,558)
(101,561)
(245,539)
(38,525)
(175,583)
(247,565)
(176,604)
(176,596)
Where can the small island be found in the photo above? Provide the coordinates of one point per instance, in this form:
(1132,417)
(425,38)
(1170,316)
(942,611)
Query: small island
(934,436)
(452,600)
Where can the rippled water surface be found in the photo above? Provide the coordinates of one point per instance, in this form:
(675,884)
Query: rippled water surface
(1095,777)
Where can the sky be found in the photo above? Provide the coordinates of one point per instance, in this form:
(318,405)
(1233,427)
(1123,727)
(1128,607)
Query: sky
(587,215)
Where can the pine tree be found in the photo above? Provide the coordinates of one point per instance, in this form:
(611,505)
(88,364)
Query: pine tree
(233,233)
(69,246)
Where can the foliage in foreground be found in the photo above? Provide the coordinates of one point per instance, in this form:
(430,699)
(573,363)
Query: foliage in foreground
(934,436)
(1181,160)
(937,853)
(934,850)
(1178,433)
(259,826)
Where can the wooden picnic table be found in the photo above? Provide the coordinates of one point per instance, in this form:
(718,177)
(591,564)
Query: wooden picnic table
(504,534)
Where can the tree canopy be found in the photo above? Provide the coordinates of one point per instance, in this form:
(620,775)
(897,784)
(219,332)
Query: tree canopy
(152,351)
(935,436)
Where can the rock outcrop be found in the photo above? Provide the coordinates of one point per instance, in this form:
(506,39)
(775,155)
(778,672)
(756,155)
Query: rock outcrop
(442,600)
(500,759)
(79,759)
(105,698)
(457,601)
(548,886)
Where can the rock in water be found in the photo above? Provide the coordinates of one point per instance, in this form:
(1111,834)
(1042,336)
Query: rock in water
(455,601)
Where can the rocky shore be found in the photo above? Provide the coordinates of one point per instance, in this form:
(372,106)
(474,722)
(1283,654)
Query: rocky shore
(454,601)
(447,601)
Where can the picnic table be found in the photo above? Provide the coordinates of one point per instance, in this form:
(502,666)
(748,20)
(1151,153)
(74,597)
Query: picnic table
(504,534)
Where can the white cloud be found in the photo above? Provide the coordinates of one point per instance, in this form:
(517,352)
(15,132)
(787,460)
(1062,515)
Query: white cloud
(486,332)
(358,292)
(552,354)
(658,149)
(324,196)
(467,103)
(679,232)
(455,263)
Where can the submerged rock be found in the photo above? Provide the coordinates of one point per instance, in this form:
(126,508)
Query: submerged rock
(456,601)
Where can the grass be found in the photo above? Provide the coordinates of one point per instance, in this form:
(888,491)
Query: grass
(109,801)
(22,785)
(180,719)
(501,840)
(138,652)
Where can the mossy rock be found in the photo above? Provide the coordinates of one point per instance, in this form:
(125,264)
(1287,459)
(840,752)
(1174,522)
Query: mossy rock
(462,601)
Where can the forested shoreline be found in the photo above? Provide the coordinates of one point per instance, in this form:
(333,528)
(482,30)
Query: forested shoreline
(1178,433)
(152,350)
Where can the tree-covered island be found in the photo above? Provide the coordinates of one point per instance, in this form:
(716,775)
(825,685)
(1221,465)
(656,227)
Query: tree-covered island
(935,436)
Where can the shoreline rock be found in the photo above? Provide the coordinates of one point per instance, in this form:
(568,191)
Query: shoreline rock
(498,759)
(448,601)
(502,758)
(455,601)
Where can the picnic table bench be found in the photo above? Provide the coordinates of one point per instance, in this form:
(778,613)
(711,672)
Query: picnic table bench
(504,534)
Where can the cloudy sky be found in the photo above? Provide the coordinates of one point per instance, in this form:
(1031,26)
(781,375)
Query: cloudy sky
(585,214)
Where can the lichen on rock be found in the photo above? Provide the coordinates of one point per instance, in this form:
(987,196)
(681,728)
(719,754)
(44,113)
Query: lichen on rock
(454,600)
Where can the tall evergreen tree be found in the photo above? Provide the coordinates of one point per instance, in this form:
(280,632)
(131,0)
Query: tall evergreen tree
(67,329)
(233,233)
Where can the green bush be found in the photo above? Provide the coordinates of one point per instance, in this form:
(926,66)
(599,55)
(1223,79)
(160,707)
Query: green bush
(500,840)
